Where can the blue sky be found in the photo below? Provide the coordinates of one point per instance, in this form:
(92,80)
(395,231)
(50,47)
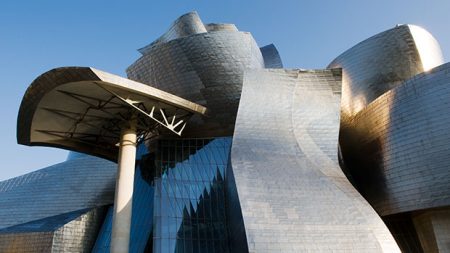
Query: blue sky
(36,36)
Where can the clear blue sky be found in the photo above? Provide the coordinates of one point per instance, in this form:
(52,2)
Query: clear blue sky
(36,36)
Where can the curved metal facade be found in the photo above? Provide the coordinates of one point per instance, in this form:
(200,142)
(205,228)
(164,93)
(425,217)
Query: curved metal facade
(81,183)
(292,193)
(205,68)
(394,133)
(398,147)
(272,181)
(56,209)
(83,109)
(271,57)
(69,232)
(382,62)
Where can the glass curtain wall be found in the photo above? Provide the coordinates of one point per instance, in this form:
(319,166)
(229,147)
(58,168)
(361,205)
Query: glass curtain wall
(179,198)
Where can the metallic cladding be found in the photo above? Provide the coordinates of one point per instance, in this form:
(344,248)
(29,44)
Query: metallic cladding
(85,182)
(83,109)
(70,232)
(293,195)
(186,25)
(178,200)
(380,63)
(394,133)
(79,234)
(205,68)
(26,242)
(397,148)
(221,27)
(433,227)
(427,47)
(281,189)
(47,224)
(271,57)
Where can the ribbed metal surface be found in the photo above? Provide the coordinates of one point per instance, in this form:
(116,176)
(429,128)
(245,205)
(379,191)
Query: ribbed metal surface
(81,183)
(434,230)
(70,232)
(398,147)
(284,189)
(205,68)
(293,195)
(26,242)
(271,57)
(79,234)
(380,63)
(186,25)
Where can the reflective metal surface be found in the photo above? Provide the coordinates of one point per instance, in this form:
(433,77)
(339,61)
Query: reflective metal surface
(85,182)
(292,192)
(276,185)
(381,62)
(69,232)
(394,131)
(79,234)
(433,227)
(203,66)
(84,110)
(271,57)
(58,208)
(397,147)
(26,242)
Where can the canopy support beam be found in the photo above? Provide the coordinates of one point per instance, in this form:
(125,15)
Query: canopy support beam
(123,200)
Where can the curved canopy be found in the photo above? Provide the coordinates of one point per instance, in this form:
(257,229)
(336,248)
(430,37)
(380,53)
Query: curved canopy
(84,109)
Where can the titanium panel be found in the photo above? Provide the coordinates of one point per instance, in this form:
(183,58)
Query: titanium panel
(48,224)
(293,195)
(271,57)
(221,27)
(382,62)
(26,242)
(397,148)
(404,232)
(79,234)
(84,110)
(186,25)
(204,67)
(85,182)
(69,232)
(433,228)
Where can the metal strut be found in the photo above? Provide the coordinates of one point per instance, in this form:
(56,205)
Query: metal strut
(165,122)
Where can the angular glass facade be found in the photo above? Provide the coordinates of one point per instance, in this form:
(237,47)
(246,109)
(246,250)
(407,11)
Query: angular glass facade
(277,185)
(142,219)
(189,196)
(178,200)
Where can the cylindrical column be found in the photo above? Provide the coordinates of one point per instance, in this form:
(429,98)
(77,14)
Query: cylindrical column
(123,199)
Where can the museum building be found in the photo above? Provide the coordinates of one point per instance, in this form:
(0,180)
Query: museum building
(210,145)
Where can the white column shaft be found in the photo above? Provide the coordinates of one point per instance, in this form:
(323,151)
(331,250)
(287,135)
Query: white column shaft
(123,199)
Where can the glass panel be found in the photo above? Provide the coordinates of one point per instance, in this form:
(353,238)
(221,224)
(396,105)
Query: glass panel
(192,195)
